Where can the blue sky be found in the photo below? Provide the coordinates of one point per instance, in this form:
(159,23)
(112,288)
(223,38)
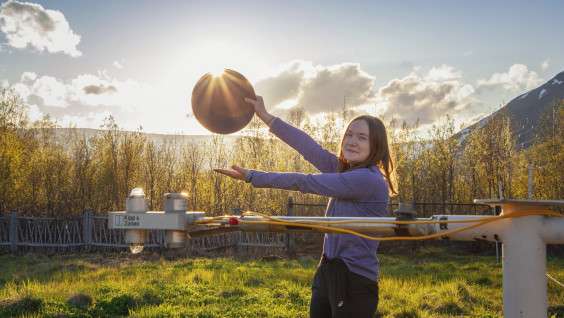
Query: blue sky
(81,61)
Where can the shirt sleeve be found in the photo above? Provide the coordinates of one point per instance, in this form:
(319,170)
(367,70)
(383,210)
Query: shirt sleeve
(322,159)
(359,184)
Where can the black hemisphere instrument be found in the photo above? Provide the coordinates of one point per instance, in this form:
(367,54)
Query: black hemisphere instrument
(218,102)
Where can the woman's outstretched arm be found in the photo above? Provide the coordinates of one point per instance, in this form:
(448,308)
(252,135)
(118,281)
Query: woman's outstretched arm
(321,158)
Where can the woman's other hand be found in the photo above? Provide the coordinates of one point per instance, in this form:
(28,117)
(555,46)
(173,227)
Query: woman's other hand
(236,172)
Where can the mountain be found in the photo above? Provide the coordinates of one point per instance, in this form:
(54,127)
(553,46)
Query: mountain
(157,139)
(525,110)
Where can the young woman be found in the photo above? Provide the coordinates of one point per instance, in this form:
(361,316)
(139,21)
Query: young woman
(358,181)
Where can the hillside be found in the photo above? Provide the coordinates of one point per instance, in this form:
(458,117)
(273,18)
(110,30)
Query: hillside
(526,109)
(88,133)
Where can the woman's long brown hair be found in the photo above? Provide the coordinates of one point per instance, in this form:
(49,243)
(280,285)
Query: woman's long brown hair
(380,153)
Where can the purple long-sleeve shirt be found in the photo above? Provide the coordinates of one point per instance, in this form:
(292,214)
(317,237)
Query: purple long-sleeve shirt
(360,192)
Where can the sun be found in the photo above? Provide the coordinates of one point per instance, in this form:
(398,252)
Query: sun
(214,56)
(217,71)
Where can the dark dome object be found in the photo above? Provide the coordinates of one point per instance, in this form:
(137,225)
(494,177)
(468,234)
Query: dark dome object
(218,102)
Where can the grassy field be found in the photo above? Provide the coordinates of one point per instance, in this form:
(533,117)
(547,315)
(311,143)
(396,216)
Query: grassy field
(432,283)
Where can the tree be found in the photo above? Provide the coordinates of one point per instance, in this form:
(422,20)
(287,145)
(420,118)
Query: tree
(192,161)
(153,172)
(130,152)
(547,154)
(16,143)
(487,156)
(443,162)
(82,172)
(106,148)
(216,190)
(405,150)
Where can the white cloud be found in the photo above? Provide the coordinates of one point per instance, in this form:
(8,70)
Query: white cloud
(95,90)
(320,89)
(282,87)
(545,64)
(90,119)
(34,113)
(28,77)
(26,24)
(426,98)
(4,83)
(52,91)
(444,72)
(86,90)
(516,79)
(89,98)
(326,90)
(317,88)
(22,89)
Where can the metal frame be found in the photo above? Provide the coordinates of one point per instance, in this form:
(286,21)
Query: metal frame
(87,232)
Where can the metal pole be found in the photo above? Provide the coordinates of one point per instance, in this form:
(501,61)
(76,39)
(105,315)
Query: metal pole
(237,235)
(524,256)
(530,181)
(524,268)
(160,240)
(86,230)
(13,231)
(496,211)
(290,237)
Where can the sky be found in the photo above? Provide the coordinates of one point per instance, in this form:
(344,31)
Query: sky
(138,61)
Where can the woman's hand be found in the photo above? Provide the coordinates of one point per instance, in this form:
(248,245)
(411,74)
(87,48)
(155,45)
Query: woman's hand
(237,172)
(260,110)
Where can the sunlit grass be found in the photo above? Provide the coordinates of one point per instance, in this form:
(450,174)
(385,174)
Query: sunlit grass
(432,283)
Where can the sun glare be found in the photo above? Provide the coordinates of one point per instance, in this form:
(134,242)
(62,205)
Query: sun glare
(217,71)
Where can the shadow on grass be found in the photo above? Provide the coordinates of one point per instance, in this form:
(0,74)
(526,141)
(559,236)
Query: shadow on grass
(12,307)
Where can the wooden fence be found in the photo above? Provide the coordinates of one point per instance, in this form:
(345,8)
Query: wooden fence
(88,232)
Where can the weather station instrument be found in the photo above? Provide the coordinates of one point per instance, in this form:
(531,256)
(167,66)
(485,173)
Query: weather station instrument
(524,227)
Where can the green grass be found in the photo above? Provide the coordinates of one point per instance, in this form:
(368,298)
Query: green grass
(432,283)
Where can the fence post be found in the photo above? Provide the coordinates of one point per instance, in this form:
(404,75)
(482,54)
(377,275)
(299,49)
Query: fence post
(497,211)
(290,237)
(160,239)
(87,230)
(237,235)
(418,208)
(13,232)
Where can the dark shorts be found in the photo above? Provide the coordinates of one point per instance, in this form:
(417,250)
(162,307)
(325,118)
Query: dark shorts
(338,292)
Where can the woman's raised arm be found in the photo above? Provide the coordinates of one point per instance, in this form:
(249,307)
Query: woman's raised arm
(261,111)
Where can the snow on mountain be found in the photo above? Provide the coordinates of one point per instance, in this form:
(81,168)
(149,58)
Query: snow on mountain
(542,93)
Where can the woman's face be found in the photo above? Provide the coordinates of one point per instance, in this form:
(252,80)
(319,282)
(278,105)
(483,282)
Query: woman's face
(356,143)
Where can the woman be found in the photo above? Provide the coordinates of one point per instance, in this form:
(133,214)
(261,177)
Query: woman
(358,182)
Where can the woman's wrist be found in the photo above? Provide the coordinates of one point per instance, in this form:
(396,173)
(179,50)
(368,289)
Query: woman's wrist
(249,176)
(264,116)
(270,121)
